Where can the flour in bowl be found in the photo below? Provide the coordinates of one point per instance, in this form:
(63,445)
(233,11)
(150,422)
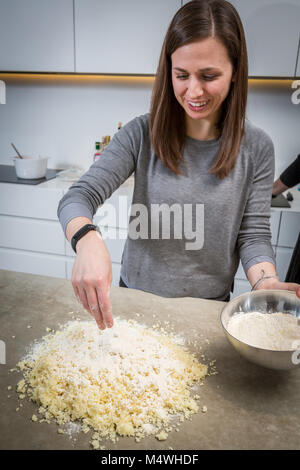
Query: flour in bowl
(274,331)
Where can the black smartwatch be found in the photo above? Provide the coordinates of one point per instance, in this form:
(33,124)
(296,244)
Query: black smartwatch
(81,232)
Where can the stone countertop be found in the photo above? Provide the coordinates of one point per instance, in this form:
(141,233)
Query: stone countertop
(248,407)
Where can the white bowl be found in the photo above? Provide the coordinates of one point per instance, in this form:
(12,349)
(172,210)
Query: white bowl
(31,168)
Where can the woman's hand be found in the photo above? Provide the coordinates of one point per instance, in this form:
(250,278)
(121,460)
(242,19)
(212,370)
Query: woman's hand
(276,284)
(92,276)
(259,271)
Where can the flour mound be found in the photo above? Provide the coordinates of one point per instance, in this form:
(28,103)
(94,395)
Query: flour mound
(117,381)
(274,331)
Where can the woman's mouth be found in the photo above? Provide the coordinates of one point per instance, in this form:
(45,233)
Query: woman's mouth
(197,106)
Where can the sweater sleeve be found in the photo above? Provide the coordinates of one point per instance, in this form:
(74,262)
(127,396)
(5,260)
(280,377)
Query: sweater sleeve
(116,164)
(291,175)
(254,239)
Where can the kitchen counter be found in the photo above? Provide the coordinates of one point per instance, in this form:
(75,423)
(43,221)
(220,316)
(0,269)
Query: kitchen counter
(295,204)
(61,184)
(248,407)
(58,183)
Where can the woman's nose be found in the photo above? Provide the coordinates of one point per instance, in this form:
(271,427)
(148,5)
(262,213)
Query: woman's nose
(195,89)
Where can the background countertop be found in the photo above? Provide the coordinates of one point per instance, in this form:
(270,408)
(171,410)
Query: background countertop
(60,184)
(248,407)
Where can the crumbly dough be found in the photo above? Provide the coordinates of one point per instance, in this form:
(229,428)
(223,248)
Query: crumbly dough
(116,382)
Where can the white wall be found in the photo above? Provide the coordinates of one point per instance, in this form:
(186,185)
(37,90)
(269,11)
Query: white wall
(63,119)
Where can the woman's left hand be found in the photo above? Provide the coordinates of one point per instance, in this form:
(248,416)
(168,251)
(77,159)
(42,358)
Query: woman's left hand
(276,284)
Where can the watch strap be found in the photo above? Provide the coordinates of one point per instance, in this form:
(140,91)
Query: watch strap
(81,232)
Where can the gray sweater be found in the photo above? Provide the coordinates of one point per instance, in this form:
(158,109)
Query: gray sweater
(213,223)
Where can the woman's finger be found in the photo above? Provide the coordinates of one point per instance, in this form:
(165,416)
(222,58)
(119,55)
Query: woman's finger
(289,286)
(294,287)
(90,305)
(105,306)
(94,307)
(83,298)
(76,292)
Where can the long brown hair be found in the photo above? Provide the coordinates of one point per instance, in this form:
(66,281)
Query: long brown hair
(200,19)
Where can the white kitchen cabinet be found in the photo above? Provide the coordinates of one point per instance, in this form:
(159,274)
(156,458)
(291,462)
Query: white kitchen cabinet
(36,35)
(274,226)
(116,269)
(240,274)
(272,33)
(29,201)
(114,36)
(31,238)
(32,262)
(289,229)
(283,258)
(240,287)
(22,233)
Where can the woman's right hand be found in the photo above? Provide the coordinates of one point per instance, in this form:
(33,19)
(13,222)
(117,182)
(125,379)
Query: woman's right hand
(92,276)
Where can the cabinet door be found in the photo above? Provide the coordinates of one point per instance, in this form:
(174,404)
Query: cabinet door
(283,258)
(45,236)
(33,263)
(274,225)
(240,287)
(114,36)
(36,35)
(289,229)
(21,200)
(272,33)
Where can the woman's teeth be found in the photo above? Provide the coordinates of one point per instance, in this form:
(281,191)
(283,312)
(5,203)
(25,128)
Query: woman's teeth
(197,105)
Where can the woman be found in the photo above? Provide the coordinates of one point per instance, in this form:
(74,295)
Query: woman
(195,155)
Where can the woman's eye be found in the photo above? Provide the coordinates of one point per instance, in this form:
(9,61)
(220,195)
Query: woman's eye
(181,77)
(209,77)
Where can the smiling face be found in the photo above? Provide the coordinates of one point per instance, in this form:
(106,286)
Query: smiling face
(201,78)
